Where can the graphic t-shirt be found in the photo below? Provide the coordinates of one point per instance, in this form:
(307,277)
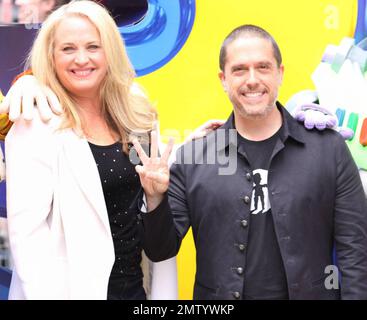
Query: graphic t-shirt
(264,270)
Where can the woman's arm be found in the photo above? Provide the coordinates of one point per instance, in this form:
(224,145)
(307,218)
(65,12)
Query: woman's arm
(30,155)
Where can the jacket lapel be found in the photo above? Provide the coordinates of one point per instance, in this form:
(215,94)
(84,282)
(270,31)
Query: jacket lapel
(83,167)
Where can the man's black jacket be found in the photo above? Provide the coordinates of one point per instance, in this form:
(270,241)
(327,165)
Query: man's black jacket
(317,203)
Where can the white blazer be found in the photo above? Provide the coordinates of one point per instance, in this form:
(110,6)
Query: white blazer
(59,232)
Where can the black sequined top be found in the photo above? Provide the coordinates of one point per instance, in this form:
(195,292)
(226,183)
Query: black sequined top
(120,184)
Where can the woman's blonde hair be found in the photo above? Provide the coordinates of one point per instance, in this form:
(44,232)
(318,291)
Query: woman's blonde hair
(125,111)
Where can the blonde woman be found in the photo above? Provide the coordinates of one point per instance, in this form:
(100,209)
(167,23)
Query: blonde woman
(71,190)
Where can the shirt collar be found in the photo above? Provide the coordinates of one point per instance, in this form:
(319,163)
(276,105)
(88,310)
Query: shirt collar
(291,128)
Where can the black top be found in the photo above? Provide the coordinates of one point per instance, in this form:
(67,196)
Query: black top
(120,185)
(264,273)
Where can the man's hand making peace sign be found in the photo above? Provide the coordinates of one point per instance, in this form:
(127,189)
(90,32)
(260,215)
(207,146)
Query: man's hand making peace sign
(154,171)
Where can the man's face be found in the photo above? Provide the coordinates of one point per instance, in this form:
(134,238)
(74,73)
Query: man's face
(251,76)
